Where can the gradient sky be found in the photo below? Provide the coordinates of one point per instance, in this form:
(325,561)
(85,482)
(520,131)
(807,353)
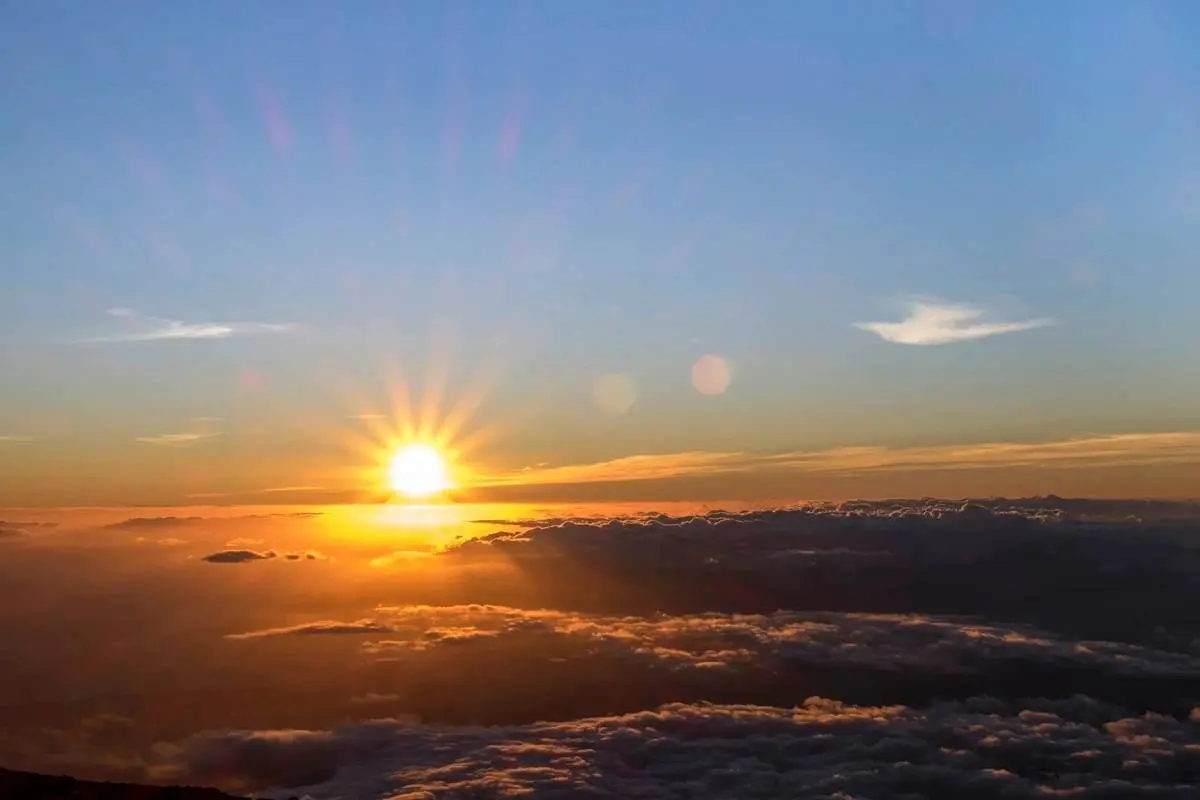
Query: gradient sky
(229,228)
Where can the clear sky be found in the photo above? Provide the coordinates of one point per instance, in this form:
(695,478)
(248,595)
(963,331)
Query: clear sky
(230,230)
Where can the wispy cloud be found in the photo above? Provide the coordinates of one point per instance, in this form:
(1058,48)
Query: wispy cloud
(14,438)
(178,439)
(298,489)
(943,323)
(1118,450)
(150,329)
(322,628)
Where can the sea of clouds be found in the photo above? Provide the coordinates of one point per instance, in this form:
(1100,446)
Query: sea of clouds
(899,649)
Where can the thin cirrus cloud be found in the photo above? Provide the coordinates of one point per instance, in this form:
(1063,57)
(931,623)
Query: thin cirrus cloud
(298,489)
(944,323)
(1118,450)
(175,439)
(151,329)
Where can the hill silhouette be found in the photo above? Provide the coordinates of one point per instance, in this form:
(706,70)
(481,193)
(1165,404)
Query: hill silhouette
(16,785)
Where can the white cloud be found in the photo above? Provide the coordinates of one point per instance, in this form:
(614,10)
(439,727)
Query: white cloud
(943,323)
(151,329)
(175,438)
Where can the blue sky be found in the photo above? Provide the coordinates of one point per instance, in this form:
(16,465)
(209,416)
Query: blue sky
(577,189)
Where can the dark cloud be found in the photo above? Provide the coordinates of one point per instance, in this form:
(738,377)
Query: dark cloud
(243,556)
(239,556)
(589,664)
(318,628)
(305,556)
(1083,568)
(982,748)
(10,530)
(154,523)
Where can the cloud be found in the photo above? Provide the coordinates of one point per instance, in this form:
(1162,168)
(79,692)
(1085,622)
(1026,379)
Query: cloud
(305,556)
(14,438)
(927,556)
(1101,451)
(820,748)
(13,530)
(21,530)
(952,640)
(373,697)
(944,323)
(175,439)
(153,523)
(896,644)
(324,627)
(151,329)
(244,556)
(249,493)
(150,523)
(239,556)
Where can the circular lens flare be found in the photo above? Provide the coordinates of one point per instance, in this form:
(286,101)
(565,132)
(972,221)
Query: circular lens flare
(418,470)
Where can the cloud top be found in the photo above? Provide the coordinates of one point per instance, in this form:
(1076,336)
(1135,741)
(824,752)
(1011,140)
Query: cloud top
(821,748)
(943,323)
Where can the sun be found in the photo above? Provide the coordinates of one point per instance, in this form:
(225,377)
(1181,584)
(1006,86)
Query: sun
(418,471)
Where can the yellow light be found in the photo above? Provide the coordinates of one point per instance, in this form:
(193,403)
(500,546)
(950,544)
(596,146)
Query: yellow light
(418,470)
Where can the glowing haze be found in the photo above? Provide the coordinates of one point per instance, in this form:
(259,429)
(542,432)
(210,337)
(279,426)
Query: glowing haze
(596,251)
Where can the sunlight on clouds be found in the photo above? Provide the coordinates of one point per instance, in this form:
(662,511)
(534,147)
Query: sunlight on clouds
(1090,452)
(943,323)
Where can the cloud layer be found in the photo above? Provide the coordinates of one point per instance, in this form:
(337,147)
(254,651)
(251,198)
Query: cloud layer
(981,748)
(887,557)
(944,323)
(995,648)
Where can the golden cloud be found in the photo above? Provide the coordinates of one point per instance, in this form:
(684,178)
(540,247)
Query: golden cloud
(1117,450)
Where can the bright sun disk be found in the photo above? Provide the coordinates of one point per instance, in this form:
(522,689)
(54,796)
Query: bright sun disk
(418,470)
